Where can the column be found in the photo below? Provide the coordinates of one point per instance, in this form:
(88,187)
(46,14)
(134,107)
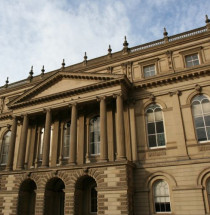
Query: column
(22,146)
(120,128)
(73,135)
(46,147)
(12,145)
(103,130)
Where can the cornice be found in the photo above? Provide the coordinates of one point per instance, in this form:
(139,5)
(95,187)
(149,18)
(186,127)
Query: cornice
(173,77)
(5,116)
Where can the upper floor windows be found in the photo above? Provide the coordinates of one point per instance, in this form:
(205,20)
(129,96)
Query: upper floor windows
(161,197)
(192,60)
(5,148)
(66,139)
(155,127)
(95,135)
(149,70)
(201,115)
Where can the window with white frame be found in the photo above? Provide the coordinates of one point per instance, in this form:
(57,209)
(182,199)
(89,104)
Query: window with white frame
(161,197)
(155,126)
(95,135)
(5,148)
(192,60)
(149,70)
(201,116)
(66,139)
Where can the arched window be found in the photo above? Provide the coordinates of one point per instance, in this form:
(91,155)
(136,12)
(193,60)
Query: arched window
(155,127)
(66,139)
(201,115)
(95,135)
(5,148)
(208,190)
(161,196)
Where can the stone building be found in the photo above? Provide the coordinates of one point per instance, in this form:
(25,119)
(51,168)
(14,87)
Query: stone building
(126,133)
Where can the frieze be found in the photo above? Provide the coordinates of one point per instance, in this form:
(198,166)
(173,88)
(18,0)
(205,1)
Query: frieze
(157,153)
(204,148)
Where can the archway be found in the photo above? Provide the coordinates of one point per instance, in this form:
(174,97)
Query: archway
(27,198)
(86,197)
(54,197)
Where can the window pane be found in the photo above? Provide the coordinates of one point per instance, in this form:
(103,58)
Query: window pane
(196,108)
(199,122)
(151,128)
(158,114)
(201,134)
(157,207)
(150,116)
(208,132)
(206,106)
(207,120)
(196,62)
(159,127)
(189,64)
(161,139)
(152,141)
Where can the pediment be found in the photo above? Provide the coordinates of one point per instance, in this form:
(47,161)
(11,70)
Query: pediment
(65,84)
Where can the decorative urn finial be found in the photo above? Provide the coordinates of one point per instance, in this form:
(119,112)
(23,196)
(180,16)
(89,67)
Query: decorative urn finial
(85,58)
(63,63)
(7,82)
(125,46)
(43,70)
(207,23)
(109,50)
(165,34)
(31,73)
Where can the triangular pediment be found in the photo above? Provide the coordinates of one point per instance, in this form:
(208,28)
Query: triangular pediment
(63,84)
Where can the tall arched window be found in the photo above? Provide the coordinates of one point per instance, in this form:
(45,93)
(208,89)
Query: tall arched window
(5,148)
(161,196)
(208,190)
(95,135)
(66,139)
(201,115)
(155,127)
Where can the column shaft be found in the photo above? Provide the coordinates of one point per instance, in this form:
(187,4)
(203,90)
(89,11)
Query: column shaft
(22,146)
(120,129)
(12,145)
(73,135)
(46,147)
(103,131)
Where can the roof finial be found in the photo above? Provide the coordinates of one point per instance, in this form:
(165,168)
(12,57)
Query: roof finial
(43,70)
(207,23)
(207,19)
(125,45)
(165,34)
(6,82)
(109,51)
(85,58)
(63,63)
(31,73)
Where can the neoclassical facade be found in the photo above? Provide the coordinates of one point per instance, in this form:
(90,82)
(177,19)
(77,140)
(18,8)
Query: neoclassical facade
(127,133)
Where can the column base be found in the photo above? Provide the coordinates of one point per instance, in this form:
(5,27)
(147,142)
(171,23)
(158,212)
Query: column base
(121,159)
(71,164)
(103,160)
(19,168)
(44,166)
(8,169)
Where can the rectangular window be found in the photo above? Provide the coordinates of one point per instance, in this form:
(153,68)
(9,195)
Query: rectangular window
(192,60)
(149,70)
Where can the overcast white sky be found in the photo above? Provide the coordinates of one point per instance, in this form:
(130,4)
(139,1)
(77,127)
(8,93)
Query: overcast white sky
(43,32)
